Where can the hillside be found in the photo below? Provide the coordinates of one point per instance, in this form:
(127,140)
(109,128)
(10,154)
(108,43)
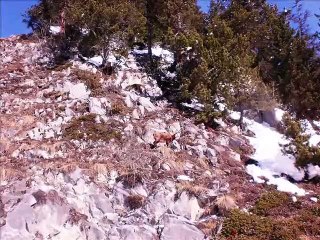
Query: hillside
(90,156)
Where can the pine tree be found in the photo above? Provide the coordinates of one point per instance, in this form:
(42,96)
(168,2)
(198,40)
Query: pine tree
(110,25)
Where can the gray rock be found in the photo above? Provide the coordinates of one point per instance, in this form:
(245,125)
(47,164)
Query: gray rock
(211,155)
(165,167)
(175,128)
(135,114)
(176,227)
(175,146)
(146,103)
(222,140)
(197,150)
(235,142)
(161,200)
(128,101)
(134,232)
(269,117)
(201,141)
(235,156)
(187,207)
(99,105)
(191,129)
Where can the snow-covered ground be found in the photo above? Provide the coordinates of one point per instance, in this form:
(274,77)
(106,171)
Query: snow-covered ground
(272,162)
(314,136)
(158,51)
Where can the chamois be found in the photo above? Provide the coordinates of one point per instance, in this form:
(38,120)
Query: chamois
(163,137)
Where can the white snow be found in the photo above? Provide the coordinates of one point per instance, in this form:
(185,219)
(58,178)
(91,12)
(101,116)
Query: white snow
(184,178)
(97,60)
(158,51)
(314,136)
(282,184)
(314,199)
(279,114)
(269,152)
(313,171)
(194,105)
(272,162)
(317,123)
(55,29)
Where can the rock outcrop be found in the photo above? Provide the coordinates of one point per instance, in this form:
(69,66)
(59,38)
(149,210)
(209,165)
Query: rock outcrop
(77,163)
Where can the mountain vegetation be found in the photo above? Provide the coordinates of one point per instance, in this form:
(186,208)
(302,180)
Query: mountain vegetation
(244,53)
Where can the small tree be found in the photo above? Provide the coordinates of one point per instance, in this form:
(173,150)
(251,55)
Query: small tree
(249,93)
(299,146)
(96,27)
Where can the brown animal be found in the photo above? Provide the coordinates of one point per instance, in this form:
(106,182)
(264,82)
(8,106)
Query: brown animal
(163,137)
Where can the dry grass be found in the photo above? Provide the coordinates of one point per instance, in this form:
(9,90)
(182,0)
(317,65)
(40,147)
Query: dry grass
(209,227)
(91,80)
(130,180)
(225,203)
(9,173)
(62,67)
(191,189)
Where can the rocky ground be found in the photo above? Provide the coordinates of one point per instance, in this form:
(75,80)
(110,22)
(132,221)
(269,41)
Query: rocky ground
(79,159)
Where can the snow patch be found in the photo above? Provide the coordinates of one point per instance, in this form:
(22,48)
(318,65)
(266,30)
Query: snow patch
(55,30)
(98,60)
(313,171)
(314,199)
(279,114)
(194,105)
(269,151)
(272,161)
(314,136)
(282,184)
(158,51)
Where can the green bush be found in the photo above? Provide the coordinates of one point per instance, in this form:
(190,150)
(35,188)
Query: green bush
(309,221)
(105,21)
(299,146)
(86,128)
(118,107)
(270,201)
(241,225)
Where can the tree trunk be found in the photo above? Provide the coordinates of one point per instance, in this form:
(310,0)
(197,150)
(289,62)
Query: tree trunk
(241,119)
(150,30)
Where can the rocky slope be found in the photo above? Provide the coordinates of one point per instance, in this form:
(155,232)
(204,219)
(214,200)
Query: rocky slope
(79,158)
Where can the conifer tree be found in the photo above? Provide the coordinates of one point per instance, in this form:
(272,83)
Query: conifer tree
(96,27)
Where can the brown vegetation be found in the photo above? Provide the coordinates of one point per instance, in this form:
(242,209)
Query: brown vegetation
(91,80)
(86,128)
(135,201)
